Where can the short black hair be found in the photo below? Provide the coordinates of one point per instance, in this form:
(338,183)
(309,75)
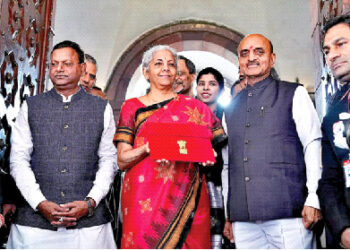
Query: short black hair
(189,64)
(336,20)
(73,45)
(217,75)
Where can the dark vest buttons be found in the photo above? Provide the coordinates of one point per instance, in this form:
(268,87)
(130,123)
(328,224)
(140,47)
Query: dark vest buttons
(60,187)
(242,205)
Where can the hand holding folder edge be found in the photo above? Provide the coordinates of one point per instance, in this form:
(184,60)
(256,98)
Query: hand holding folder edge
(180,142)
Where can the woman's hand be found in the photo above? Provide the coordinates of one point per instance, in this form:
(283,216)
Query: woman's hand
(207,163)
(163,162)
(129,156)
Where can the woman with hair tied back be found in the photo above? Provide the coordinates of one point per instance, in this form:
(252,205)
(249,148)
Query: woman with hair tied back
(164,203)
(210,84)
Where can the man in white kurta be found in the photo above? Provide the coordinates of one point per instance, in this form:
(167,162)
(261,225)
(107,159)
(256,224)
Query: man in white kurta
(75,223)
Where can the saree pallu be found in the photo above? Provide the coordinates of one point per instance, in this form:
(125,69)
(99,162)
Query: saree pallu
(164,205)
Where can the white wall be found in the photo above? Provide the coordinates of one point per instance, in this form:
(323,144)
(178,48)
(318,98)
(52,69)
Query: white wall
(105,28)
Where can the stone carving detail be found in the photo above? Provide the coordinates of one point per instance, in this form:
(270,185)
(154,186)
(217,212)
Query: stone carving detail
(329,9)
(24,42)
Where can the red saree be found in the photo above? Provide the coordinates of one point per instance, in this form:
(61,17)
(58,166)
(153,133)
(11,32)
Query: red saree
(164,206)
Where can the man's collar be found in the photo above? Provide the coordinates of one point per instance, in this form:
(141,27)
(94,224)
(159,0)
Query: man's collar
(345,85)
(69,98)
(262,83)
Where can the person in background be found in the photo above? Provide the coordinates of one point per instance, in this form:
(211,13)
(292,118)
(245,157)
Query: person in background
(334,185)
(210,84)
(8,198)
(170,196)
(97,92)
(88,77)
(2,214)
(274,156)
(63,161)
(238,86)
(186,74)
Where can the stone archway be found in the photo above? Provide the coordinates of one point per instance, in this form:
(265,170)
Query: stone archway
(182,35)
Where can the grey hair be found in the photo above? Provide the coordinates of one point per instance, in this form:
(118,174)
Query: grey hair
(148,54)
(91,59)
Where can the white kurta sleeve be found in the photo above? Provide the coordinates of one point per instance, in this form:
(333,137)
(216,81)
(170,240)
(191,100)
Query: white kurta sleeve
(21,149)
(309,131)
(107,164)
(224,173)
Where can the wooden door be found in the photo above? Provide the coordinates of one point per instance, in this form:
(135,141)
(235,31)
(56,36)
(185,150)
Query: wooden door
(25,35)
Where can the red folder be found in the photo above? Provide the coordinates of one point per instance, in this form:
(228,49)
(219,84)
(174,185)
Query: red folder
(180,142)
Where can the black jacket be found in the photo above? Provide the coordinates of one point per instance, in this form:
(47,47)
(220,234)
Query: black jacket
(267,176)
(332,192)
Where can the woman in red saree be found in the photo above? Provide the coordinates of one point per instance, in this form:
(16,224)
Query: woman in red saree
(165,204)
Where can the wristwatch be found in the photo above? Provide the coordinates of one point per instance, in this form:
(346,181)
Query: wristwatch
(90,206)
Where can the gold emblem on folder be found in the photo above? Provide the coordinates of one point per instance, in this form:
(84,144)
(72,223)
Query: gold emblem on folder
(182,147)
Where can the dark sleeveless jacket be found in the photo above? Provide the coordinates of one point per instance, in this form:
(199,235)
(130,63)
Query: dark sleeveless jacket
(66,138)
(267,175)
